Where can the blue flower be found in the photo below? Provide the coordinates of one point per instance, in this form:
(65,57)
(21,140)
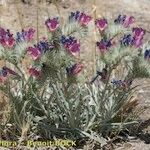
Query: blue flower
(25,35)
(45,46)
(117,82)
(124,20)
(127,40)
(124,84)
(74,16)
(82,18)
(133,40)
(120,19)
(3,72)
(63,39)
(147,54)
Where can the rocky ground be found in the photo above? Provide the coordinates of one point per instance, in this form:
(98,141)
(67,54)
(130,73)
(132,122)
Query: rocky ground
(16,16)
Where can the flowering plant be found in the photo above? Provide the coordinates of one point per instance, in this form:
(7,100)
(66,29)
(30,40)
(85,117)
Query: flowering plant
(51,93)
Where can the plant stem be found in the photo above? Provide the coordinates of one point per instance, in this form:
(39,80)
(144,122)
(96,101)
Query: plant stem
(37,23)
(58,11)
(94,52)
(106,85)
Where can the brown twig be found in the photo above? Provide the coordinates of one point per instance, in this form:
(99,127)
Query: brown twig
(37,23)
(94,52)
(19,15)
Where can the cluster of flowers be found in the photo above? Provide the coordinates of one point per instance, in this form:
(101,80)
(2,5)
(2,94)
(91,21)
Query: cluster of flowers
(134,39)
(80,17)
(104,44)
(73,47)
(36,53)
(124,20)
(71,44)
(40,48)
(123,84)
(25,35)
(6,38)
(128,40)
(5,72)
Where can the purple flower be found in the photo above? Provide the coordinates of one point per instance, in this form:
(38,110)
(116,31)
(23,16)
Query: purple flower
(103,45)
(34,52)
(6,38)
(147,54)
(137,42)
(71,45)
(41,47)
(35,72)
(138,33)
(135,39)
(81,17)
(101,24)
(126,21)
(74,69)
(10,71)
(5,72)
(52,24)
(25,35)
(84,19)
